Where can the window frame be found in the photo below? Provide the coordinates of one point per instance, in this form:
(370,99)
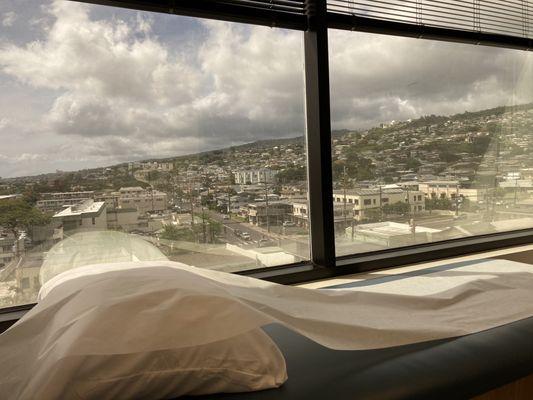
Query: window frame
(315,23)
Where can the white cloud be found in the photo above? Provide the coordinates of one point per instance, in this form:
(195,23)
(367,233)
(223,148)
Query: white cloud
(8,19)
(119,79)
(118,91)
(377,78)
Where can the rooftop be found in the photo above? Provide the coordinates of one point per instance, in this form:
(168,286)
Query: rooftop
(84,208)
(393,228)
(368,192)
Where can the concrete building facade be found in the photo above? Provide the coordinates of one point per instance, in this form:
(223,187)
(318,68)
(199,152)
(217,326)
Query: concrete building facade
(88,215)
(255,176)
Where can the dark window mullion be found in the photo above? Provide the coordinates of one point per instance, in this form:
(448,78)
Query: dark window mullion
(319,135)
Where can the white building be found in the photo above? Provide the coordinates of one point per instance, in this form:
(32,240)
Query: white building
(88,215)
(392,234)
(360,201)
(142,199)
(439,189)
(51,202)
(450,190)
(254,176)
(126,219)
(8,247)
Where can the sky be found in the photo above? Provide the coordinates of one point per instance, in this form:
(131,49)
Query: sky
(83,86)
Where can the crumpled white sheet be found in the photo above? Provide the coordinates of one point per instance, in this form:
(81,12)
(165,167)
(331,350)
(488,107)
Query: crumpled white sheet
(146,306)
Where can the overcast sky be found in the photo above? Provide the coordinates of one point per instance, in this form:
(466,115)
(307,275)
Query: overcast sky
(85,86)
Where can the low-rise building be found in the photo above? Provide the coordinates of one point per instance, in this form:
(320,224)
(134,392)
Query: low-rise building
(52,202)
(143,200)
(360,201)
(9,246)
(126,219)
(439,189)
(391,234)
(88,215)
(275,213)
(255,176)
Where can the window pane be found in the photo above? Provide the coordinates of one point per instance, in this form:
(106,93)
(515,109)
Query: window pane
(136,136)
(432,140)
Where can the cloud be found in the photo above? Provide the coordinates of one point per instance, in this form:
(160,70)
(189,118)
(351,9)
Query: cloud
(117,79)
(118,88)
(377,78)
(8,19)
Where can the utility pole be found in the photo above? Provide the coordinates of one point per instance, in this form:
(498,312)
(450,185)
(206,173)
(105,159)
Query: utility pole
(515,191)
(344,203)
(229,203)
(411,216)
(380,205)
(266,206)
(192,207)
(203,225)
(457,199)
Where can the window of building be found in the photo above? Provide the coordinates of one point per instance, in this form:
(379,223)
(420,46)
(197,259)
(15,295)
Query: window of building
(462,147)
(165,113)
(182,130)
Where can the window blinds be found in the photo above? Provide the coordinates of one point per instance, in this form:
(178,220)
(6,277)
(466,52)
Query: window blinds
(282,13)
(509,17)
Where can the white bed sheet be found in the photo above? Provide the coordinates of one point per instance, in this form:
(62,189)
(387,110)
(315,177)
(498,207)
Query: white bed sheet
(149,306)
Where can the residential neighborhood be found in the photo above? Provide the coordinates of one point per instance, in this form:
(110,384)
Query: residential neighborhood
(245,207)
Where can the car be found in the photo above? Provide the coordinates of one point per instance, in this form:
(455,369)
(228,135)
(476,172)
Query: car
(225,216)
(289,224)
(245,236)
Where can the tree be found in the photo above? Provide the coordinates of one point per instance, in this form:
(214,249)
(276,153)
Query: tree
(291,174)
(439,204)
(398,208)
(372,215)
(413,163)
(171,232)
(18,214)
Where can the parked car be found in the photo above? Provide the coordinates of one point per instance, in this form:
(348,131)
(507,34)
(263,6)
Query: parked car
(245,236)
(289,224)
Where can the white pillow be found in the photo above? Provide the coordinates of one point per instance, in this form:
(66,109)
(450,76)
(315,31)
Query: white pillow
(247,362)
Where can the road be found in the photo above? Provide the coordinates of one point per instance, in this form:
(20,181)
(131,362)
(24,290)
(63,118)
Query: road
(229,227)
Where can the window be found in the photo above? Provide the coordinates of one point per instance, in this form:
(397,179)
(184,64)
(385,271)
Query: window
(136,126)
(424,121)
(162,136)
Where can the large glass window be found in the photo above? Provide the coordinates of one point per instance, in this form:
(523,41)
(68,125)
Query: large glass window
(431,140)
(132,136)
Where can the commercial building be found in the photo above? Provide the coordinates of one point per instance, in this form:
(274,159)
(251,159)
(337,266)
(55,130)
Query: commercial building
(143,200)
(126,219)
(88,215)
(255,176)
(8,247)
(360,201)
(52,202)
(276,213)
(450,190)
(391,234)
